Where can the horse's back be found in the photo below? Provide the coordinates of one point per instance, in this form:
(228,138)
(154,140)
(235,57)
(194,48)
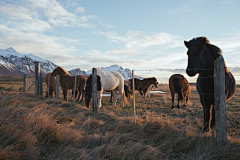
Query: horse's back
(110,80)
(178,83)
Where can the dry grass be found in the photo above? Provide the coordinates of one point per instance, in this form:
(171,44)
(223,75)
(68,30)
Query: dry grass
(33,127)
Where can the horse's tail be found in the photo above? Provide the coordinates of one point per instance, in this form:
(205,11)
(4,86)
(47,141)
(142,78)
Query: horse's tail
(178,89)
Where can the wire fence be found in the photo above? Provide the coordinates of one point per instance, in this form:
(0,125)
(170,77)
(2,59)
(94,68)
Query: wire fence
(159,102)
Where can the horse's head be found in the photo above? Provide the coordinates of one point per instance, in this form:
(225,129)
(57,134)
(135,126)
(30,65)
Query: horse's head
(155,82)
(60,71)
(196,48)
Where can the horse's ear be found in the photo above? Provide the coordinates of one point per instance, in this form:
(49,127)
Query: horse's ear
(186,44)
(205,40)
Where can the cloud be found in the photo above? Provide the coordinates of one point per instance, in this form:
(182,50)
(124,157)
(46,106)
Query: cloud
(47,47)
(137,40)
(22,18)
(80,10)
(59,16)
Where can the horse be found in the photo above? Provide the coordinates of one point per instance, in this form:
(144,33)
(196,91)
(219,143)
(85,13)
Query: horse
(179,84)
(201,57)
(143,85)
(126,91)
(52,84)
(68,82)
(106,81)
(149,90)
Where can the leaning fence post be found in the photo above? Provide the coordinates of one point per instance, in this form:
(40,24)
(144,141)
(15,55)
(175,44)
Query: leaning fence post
(57,85)
(24,83)
(37,71)
(133,90)
(220,101)
(75,84)
(94,88)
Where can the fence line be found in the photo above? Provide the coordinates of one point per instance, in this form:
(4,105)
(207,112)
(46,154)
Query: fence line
(136,110)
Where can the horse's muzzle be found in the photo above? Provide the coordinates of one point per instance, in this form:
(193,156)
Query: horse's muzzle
(191,72)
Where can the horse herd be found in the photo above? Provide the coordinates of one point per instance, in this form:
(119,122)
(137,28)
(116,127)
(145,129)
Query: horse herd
(201,57)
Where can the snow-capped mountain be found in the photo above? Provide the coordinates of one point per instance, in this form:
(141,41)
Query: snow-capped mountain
(126,73)
(14,63)
(77,71)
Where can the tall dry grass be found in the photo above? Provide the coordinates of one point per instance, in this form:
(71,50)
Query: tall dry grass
(33,127)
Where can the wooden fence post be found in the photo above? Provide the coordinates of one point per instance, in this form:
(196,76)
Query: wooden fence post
(133,90)
(37,72)
(220,101)
(40,85)
(75,84)
(48,87)
(94,88)
(57,85)
(24,83)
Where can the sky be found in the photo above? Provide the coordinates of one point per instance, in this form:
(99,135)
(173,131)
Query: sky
(135,34)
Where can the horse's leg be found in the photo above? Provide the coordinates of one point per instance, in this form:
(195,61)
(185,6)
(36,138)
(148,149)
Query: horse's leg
(77,94)
(64,94)
(144,93)
(83,93)
(72,94)
(140,91)
(111,97)
(178,100)
(114,97)
(122,92)
(50,92)
(212,116)
(172,94)
(100,98)
(47,94)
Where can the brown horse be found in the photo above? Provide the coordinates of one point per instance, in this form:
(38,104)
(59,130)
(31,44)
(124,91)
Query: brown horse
(179,84)
(201,57)
(143,85)
(52,84)
(68,82)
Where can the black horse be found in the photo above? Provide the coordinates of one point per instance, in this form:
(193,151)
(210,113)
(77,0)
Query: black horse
(88,89)
(201,57)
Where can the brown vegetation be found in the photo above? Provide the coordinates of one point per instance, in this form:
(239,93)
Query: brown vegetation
(33,127)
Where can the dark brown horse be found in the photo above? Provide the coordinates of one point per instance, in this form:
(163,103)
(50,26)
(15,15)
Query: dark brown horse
(143,85)
(51,81)
(68,82)
(179,84)
(201,56)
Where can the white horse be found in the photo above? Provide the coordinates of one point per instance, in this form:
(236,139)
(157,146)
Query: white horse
(109,81)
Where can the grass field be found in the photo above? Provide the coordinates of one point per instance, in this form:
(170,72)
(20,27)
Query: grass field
(33,127)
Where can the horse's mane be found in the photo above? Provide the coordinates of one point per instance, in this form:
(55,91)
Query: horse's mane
(66,72)
(216,51)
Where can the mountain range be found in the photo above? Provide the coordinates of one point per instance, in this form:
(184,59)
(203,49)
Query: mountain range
(13,63)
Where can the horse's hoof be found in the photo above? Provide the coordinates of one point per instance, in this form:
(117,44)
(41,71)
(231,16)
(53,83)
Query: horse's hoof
(178,107)
(172,107)
(206,129)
